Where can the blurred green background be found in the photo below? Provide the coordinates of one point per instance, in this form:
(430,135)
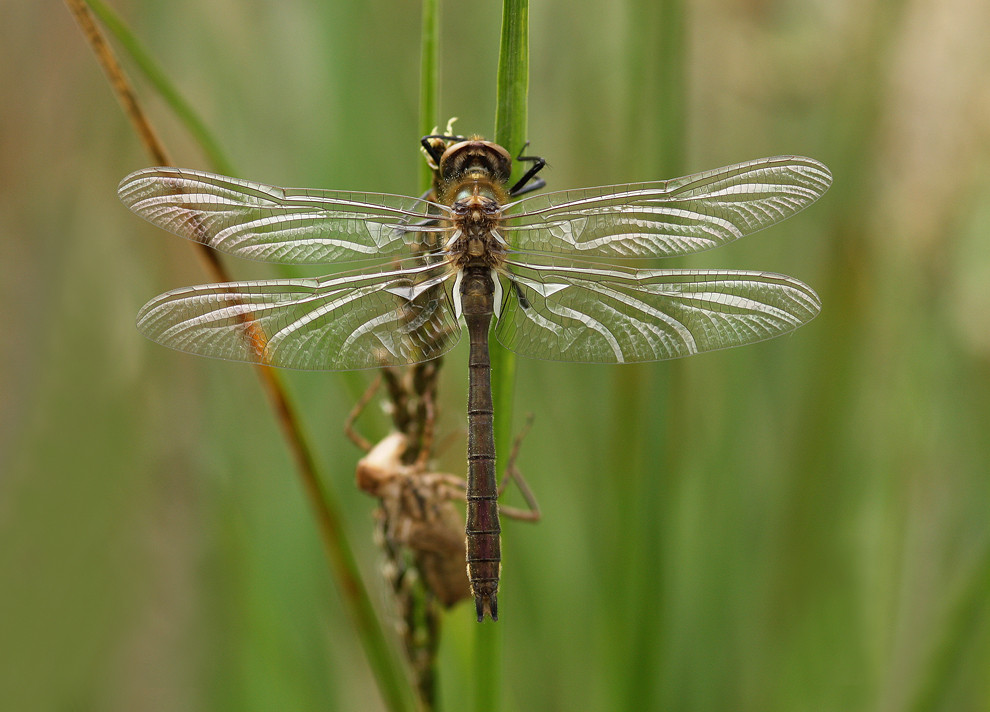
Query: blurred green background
(797,525)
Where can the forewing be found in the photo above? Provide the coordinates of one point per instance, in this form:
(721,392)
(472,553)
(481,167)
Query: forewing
(667,218)
(351,321)
(271,224)
(616,315)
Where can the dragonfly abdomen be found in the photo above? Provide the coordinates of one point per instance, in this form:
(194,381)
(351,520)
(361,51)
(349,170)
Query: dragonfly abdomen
(483,544)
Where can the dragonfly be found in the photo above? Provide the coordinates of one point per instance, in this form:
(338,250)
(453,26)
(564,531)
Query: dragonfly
(557,272)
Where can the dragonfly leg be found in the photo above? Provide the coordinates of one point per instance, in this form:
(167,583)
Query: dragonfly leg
(532,514)
(354,435)
(436,144)
(521,187)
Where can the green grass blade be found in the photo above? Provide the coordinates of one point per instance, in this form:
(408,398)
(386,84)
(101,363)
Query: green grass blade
(510,132)
(511,104)
(183,110)
(160,81)
(429,80)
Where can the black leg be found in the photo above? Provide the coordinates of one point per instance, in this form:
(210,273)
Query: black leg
(436,152)
(521,187)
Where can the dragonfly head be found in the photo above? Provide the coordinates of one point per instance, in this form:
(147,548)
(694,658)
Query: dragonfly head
(476,156)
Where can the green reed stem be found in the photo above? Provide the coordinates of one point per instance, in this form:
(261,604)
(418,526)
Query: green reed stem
(429,103)
(429,80)
(510,132)
(511,104)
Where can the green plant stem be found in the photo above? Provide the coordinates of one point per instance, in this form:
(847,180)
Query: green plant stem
(429,101)
(429,80)
(511,105)
(510,132)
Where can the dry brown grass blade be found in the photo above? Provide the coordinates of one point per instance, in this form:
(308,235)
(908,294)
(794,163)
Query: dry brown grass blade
(132,108)
(392,681)
(118,81)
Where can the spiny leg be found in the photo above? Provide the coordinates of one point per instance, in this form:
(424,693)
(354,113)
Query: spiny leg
(512,473)
(355,413)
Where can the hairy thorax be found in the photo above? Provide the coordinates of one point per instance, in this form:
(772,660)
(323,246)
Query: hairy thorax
(475,239)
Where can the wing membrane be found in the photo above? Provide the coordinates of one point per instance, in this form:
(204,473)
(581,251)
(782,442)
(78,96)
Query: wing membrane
(618,315)
(351,321)
(263,222)
(666,218)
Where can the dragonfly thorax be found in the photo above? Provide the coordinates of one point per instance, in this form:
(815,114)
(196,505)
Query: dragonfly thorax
(476,218)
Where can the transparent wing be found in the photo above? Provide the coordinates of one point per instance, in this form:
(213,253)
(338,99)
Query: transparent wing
(618,315)
(667,218)
(271,224)
(350,321)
